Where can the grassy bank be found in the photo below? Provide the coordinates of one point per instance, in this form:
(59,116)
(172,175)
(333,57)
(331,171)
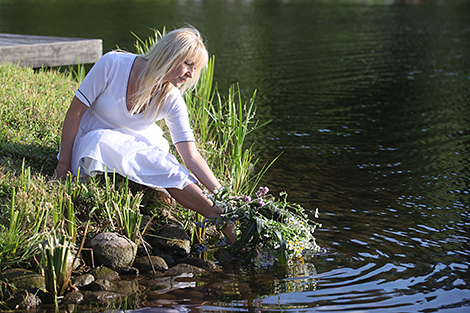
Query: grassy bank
(32,108)
(33,105)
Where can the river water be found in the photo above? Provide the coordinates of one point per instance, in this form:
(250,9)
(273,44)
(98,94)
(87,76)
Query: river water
(369,107)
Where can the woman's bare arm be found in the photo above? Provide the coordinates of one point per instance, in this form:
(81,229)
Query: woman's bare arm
(197,165)
(69,132)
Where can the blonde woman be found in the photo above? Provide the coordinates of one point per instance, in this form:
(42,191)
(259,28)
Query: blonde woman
(111,121)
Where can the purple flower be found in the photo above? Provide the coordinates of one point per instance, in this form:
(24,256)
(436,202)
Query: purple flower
(262,191)
(260,202)
(247,199)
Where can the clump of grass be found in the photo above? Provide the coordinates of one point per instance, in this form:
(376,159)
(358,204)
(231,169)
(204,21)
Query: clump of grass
(56,254)
(122,206)
(222,125)
(25,213)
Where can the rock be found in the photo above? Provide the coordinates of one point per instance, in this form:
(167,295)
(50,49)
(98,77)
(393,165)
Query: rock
(168,258)
(146,219)
(83,280)
(123,287)
(100,296)
(104,273)
(128,271)
(166,216)
(204,264)
(223,256)
(157,287)
(23,279)
(73,298)
(24,300)
(178,240)
(144,264)
(113,250)
(198,248)
(181,269)
(102,285)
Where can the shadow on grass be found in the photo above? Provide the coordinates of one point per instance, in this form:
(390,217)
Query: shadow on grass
(41,159)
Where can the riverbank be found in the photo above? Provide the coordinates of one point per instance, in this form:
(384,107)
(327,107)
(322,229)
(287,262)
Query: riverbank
(48,226)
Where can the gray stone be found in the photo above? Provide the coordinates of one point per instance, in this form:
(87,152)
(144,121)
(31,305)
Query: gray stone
(23,279)
(181,269)
(102,285)
(144,264)
(223,256)
(126,287)
(113,250)
(101,296)
(123,287)
(104,273)
(24,300)
(128,271)
(177,240)
(83,280)
(168,258)
(73,298)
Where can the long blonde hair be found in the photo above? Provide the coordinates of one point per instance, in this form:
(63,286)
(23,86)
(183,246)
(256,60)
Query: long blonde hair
(176,47)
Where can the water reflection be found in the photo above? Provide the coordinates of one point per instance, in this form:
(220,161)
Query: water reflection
(368,102)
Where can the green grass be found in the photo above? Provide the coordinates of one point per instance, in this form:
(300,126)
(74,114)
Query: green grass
(32,107)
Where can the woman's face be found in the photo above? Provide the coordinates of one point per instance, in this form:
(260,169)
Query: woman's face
(180,74)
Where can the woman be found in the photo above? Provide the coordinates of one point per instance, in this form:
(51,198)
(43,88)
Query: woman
(111,121)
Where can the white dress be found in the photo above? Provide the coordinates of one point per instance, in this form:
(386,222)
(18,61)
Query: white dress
(132,145)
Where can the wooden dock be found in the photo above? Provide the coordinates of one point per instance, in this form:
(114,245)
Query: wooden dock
(39,51)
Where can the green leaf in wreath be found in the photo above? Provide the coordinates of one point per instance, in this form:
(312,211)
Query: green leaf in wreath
(247,233)
(259,225)
(282,255)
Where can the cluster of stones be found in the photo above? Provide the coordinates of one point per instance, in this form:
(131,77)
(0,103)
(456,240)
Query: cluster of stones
(119,269)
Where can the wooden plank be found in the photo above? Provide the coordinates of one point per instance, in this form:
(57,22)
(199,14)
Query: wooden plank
(38,51)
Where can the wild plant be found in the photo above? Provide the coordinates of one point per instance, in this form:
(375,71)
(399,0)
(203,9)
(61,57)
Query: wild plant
(78,72)
(123,207)
(18,242)
(64,212)
(57,254)
(143,46)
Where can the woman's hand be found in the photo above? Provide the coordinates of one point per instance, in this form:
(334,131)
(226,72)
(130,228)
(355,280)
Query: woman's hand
(61,172)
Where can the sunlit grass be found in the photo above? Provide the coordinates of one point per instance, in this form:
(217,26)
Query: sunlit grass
(32,107)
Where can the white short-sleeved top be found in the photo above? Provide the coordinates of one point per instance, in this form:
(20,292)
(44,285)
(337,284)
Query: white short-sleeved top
(104,90)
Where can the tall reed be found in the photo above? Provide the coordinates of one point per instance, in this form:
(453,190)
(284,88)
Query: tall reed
(123,207)
(222,125)
(56,253)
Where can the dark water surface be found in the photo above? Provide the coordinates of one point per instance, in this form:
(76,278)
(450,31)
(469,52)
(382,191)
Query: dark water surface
(369,106)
